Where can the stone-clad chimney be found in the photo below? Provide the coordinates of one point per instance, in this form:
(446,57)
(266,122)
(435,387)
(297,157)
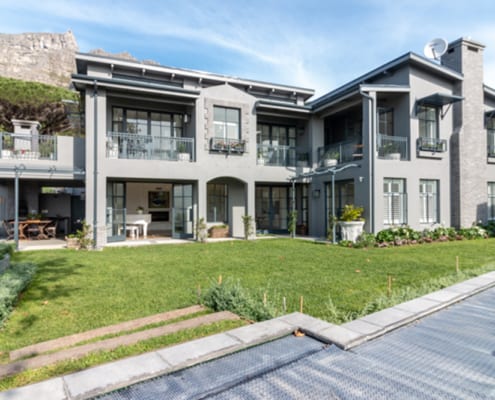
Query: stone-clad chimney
(468,142)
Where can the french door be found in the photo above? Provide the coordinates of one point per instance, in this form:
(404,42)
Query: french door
(182,211)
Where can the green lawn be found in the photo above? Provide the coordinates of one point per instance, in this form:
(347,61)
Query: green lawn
(74,291)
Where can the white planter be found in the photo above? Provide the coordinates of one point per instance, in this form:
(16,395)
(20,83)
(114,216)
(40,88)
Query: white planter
(392,156)
(183,157)
(6,153)
(351,229)
(330,162)
(260,161)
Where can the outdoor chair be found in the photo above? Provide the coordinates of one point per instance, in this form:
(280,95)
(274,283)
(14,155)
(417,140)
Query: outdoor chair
(33,231)
(51,229)
(9,229)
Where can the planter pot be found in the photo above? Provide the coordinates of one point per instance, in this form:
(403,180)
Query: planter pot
(330,162)
(72,243)
(6,153)
(219,232)
(351,229)
(261,161)
(183,157)
(392,156)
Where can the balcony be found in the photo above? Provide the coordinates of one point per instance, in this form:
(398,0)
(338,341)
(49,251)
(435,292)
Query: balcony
(339,153)
(222,145)
(16,146)
(281,156)
(147,147)
(392,147)
(431,147)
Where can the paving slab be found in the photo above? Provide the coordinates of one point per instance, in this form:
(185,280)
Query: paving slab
(419,306)
(111,376)
(72,340)
(339,336)
(262,331)
(362,327)
(305,322)
(199,350)
(52,389)
(444,296)
(388,318)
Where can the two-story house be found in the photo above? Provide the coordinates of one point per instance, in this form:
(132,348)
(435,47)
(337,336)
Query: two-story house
(417,137)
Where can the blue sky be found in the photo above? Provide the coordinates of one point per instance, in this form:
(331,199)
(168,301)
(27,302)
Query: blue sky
(316,44)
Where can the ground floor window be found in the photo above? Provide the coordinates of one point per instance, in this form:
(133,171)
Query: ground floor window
(428,200)
(217,199)
(272,208)
(491,200)
(394,201)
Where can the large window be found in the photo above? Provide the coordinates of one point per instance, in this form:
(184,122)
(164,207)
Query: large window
(141,122)
(491,200)
(277,135)
(227,122)
(428,200)
(394,196)
(428,122)
(490,129)
(217,203)
(386,121)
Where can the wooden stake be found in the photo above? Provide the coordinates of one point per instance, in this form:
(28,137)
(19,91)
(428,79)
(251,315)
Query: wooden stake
(389,287)
(264,299)
(301,303)
(284,303)
(219,279)
(457,264)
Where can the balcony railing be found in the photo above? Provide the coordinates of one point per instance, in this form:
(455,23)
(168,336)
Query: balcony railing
(148,147)
(342,152)
(392,147)
(227,145)
(28,147)
(281,156)
(433,145)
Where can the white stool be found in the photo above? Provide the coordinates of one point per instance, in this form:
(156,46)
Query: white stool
(133,231)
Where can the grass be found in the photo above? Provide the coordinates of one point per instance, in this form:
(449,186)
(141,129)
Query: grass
(74,291)
(77,291)
(69,366)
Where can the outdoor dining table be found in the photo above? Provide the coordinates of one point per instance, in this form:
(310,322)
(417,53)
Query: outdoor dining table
(40,224)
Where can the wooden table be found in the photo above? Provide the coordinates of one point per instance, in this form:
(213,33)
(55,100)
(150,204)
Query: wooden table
(40,224)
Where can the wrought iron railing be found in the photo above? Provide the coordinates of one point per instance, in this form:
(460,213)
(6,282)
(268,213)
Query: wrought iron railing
(341,152)
(148,147)
(392,147)
(28,147)
(433,145)
(227,145)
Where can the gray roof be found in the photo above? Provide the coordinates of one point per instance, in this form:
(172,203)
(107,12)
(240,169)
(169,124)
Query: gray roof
(447,355)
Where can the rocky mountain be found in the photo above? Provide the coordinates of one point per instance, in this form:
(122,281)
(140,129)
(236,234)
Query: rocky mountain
(39,57)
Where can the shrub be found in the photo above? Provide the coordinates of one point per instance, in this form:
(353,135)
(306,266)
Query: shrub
(6,249)
(13,282)
(365,240)
(352,213)
(231,296)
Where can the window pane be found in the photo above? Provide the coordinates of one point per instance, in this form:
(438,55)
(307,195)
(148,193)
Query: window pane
(219,114)
(232,115)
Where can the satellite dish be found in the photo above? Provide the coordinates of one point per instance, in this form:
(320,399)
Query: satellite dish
(435,48)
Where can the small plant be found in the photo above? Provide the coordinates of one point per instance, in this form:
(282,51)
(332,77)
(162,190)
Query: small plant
(247,221)
(140,210)
(292,223)
(201,230)
(83,236)
(352,213)
(181,148)
(332,155)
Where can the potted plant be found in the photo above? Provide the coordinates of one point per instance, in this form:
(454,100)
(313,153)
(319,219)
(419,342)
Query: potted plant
(182,154)
(140,210)
(219,231)
(331,158)
(391,151)
(351,222)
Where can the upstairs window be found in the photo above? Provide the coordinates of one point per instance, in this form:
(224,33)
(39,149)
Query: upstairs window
(428,122)
(227,122)
(386,121)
